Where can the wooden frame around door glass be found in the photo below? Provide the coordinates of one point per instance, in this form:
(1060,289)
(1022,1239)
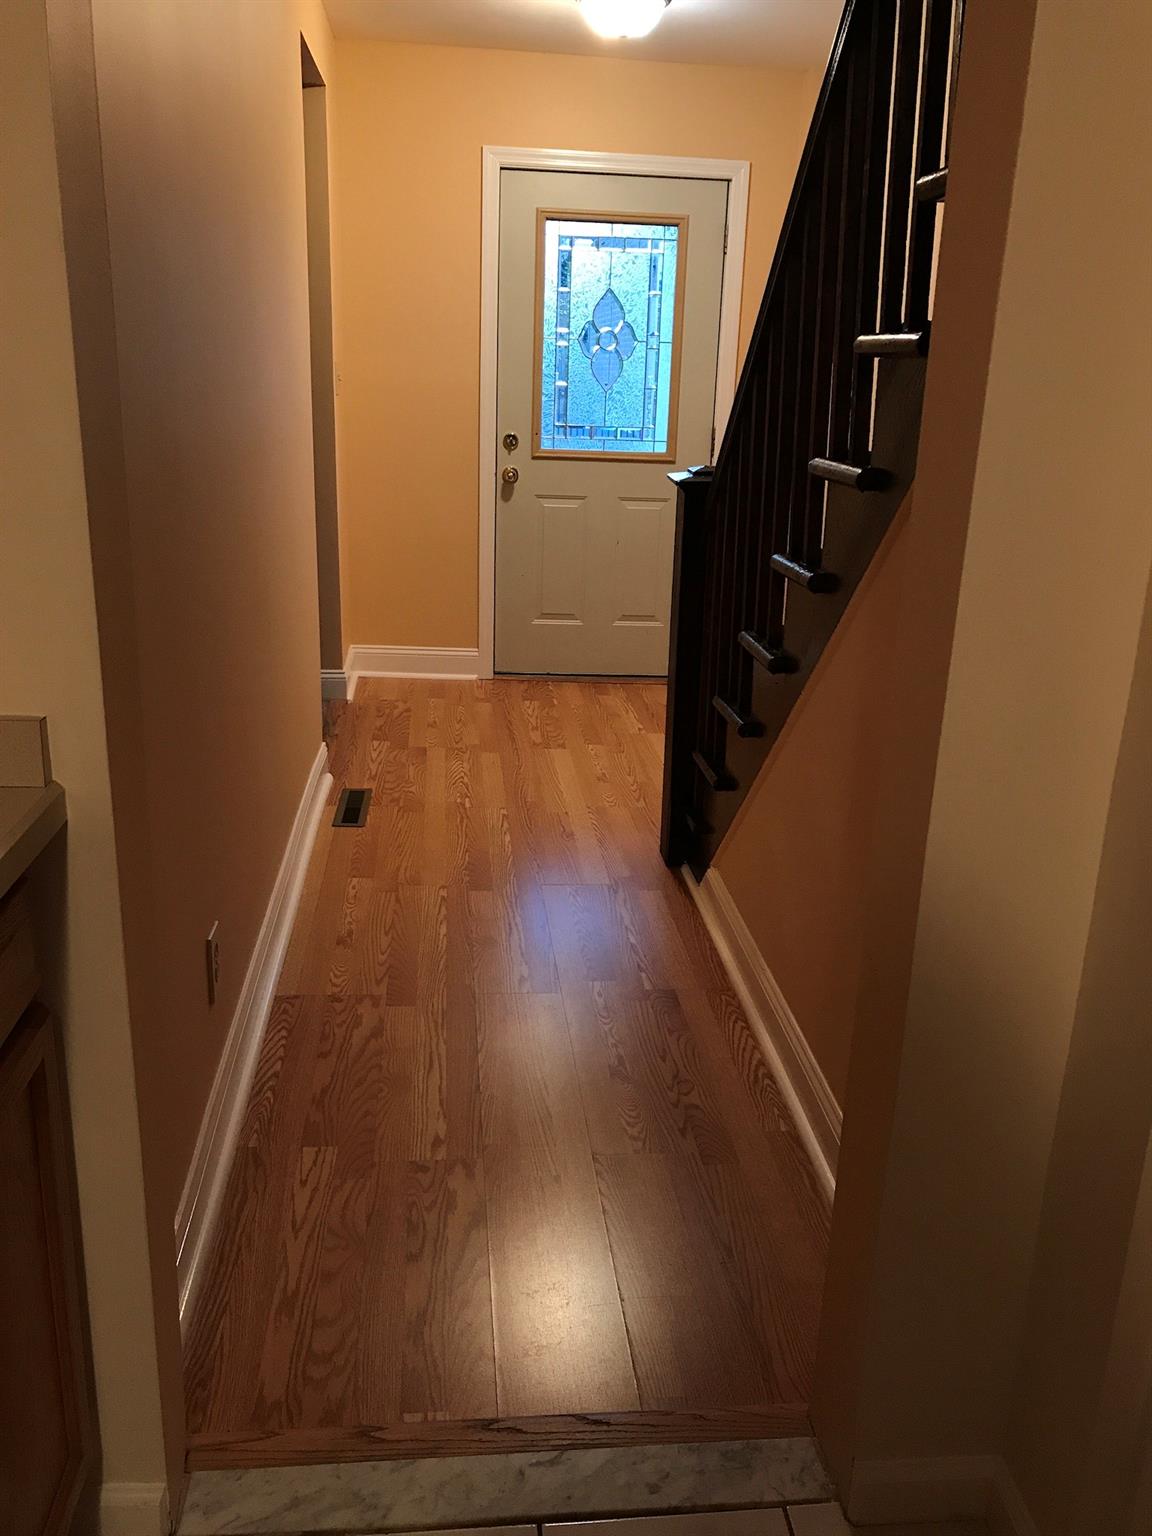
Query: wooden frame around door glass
(584,216)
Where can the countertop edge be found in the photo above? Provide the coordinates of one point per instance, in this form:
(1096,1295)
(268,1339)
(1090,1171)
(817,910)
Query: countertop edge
(29,820)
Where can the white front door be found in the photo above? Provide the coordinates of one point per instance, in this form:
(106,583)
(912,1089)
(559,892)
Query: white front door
(608,326)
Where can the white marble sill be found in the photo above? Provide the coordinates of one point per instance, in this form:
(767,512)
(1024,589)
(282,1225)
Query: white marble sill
(435,1494)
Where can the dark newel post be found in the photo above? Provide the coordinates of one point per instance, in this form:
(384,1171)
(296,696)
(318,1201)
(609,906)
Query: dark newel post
(685,645)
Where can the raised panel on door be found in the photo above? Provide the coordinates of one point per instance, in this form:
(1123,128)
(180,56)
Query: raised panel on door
(544,568)
(563,545)
(637,590)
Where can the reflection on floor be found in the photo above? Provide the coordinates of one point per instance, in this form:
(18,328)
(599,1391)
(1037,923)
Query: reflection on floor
(511,1153)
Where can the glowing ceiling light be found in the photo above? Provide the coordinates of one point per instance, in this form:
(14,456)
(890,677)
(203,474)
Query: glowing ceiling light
(623,18)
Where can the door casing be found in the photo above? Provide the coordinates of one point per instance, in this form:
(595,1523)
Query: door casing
(497,158)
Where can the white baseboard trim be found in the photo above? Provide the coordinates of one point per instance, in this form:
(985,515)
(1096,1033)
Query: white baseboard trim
(449,661)
(333,683)
(924,1490)
(803,1084)
(134,1509)
(212,1158)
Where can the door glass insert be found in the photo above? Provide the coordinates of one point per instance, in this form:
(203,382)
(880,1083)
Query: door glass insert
(608,305)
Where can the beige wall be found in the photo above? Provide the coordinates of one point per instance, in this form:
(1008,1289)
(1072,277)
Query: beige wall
(185,234)
(797,858)
(410,123)
(1082,1414)
(50,664)
(1038,692)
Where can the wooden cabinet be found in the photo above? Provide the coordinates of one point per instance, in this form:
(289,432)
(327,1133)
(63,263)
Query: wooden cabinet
(46,1424)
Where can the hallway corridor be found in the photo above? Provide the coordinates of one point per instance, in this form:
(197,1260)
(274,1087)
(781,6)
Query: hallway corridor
(512,1152)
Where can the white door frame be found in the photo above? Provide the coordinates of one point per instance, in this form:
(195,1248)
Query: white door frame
(497,158)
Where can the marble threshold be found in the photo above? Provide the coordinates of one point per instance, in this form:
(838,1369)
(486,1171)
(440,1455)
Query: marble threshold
(430,1493)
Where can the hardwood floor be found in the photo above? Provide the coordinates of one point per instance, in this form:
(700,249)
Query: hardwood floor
(513,1169)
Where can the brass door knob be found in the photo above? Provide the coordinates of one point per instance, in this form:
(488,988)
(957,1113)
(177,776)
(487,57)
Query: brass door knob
(510,475)
(511,441)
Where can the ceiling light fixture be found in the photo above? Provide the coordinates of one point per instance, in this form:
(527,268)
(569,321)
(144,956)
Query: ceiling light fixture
(623,18)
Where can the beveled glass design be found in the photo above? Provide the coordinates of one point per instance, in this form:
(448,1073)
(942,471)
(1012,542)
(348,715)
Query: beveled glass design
(608,318)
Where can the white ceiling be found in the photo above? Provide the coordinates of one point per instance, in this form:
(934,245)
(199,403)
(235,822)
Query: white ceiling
(796,33)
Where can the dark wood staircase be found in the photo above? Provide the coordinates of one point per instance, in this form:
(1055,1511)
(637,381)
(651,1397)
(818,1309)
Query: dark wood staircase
(820,448)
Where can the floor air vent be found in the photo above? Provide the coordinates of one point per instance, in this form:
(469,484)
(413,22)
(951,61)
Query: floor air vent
(352,808)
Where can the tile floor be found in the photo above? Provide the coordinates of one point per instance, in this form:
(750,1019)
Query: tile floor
(505,1490)
(736,1522)
(817,1520)
(829,1520)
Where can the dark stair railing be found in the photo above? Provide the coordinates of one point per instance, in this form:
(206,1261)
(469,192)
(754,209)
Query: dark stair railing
(820,447)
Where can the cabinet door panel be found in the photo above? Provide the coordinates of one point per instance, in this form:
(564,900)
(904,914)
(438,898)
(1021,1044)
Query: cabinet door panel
(45,1421)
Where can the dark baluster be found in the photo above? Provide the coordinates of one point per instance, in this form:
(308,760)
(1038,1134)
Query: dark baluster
(719,513)
(877,98)
(829,274)
(929,155)
(707,571)
(737,500)
(757,551)
(802,383)
(788,411)
(774,483)
(751,511)
(953,72)
(854,155)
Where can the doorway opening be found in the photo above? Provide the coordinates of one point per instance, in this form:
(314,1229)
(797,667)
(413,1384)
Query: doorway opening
(315,106)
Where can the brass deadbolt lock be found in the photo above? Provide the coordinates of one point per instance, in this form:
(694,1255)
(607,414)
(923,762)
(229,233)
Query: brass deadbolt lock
(511,441)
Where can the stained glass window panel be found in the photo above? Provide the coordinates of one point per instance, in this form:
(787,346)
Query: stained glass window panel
(608,307)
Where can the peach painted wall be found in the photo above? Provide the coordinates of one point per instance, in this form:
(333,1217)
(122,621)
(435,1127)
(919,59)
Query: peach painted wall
(796,860)
(410,122)
(50,664)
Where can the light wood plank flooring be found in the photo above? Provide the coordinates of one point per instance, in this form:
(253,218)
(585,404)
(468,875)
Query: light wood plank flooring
(513,1169)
